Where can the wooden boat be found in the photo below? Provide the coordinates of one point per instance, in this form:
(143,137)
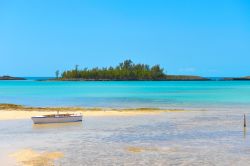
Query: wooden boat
(56,118)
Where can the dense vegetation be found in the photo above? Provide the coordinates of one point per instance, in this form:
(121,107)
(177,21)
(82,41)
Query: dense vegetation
(126,70)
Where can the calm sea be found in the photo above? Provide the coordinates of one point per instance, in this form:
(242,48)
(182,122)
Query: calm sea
(173,138)
(123,94)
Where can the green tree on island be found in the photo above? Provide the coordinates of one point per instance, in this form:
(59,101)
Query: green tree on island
(126,70)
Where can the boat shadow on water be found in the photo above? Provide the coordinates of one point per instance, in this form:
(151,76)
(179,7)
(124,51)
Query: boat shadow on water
(57,125)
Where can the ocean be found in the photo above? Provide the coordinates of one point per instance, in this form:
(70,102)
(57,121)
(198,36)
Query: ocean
(202,135)
(128,94)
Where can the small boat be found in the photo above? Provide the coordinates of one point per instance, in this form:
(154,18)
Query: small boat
(56,118)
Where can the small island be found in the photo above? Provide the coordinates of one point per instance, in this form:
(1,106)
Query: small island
(125,71)
(11,78)
(247,78)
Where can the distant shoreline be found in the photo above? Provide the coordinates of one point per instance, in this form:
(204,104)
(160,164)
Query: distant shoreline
(182,79)
(11,78)
(168,78)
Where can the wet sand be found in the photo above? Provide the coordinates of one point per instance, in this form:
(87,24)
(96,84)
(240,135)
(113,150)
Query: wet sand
(11,112)
(11,115)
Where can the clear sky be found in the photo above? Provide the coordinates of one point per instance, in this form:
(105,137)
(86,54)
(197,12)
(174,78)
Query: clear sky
(199,37)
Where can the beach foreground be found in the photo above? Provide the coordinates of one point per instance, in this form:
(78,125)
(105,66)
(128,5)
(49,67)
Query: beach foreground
(131,136)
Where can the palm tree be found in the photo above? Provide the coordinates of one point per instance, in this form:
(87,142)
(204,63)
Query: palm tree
(57,74)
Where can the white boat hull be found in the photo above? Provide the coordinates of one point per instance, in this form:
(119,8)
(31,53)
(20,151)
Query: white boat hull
(56,119)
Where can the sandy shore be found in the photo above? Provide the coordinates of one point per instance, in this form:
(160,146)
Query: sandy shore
(11,112)
(8,115)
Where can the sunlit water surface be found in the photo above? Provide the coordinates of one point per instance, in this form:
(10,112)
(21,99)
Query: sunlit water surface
(212,135)
(173,138)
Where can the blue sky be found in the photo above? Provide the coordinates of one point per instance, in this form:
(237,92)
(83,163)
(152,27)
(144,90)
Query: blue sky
(198,37)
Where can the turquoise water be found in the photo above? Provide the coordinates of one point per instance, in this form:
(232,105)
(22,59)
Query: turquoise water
(174,94)
(200,137)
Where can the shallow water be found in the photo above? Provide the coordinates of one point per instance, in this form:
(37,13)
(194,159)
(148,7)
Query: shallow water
(212,135)
(124,94)
(173,138)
